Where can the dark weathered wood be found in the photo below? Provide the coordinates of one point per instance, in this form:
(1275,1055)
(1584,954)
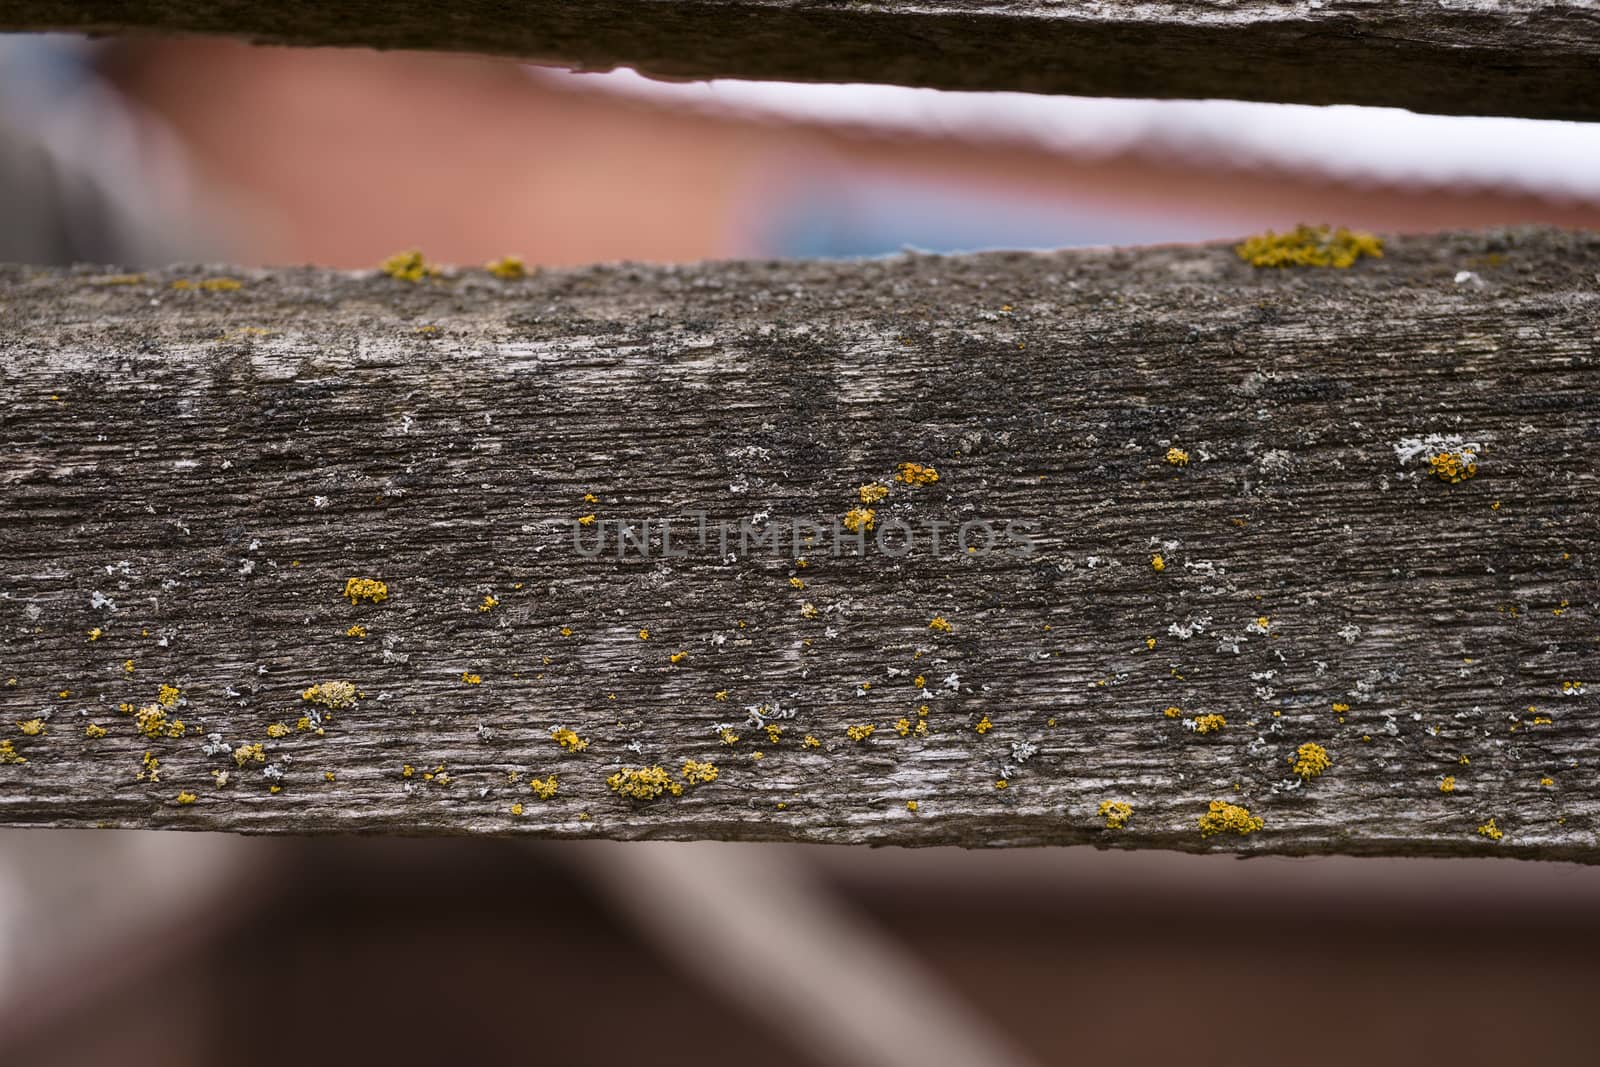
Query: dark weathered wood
(195,473)
(1537,58)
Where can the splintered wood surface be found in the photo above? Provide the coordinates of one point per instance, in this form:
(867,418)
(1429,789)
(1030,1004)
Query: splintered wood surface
(1536,58)
(1316,544)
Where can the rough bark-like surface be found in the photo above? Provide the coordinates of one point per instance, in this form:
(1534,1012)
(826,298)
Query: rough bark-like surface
(193,475)
(1538,58)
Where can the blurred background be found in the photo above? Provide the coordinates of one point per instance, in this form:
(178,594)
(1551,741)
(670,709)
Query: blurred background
(178,949)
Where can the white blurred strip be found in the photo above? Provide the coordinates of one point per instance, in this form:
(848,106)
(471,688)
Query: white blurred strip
(754,924)
(1553,160)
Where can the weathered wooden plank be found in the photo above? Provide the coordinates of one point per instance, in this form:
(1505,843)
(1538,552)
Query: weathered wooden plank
(192,474)
(1537,58)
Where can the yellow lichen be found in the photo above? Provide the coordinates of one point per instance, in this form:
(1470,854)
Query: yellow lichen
(254,753)
(516,809)
(678,657)
(187,797)
(568,739)
(356,631)
(859,732)
(728,736)
(796,583)
(151,771)
(859,519)
(872,492)
(469,678)
(32,727)
(508,267)
(940,625)
(810,742)
(774,732)
(96,633)
(1116,813)
(644,635)
(915,474)
(408,266)
(643,783)
(543,788)
(1173,712)
(1158,561)
(695,772)
(911,805)
(1310,760)
(332,695)
(94,731)
(1447,784)
(1547,781)
(127,666)
(1001,783)
(406,770)
(9,753)
(1177,457)
(1228,818)
(1491,831)
(488,603)
(1206,724)
(167,696)
(368,589)
(1454,466)
(277,730)
(1309,246)
(153,722)
(903,727)
(984,725)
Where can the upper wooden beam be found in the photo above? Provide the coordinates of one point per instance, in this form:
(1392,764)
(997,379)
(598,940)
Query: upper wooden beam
(1536,58)
(1275,516)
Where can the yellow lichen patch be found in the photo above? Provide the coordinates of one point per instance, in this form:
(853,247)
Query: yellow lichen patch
(1207,724)
(643,783)
(1447,784)
(858,519)
(644,635)
(940,625)
(796,583)
(1177,457)
(1341,708)
(915,474)
(508,267)
(31,727)
(808,610)
(1310,760)
(911,805)
(1173,712)
(516,809)
(9,753)
(568,739)
(329,776)
(469,678)
(1158,562)
(543,788)
(368,589)
(1001,783)
(187,797)
(96,634)
(984,725)
(94,731)
(1309,246)
(167,696)
(277,730)
(1491,831)
(774,732)
(586,520)
(332,695)
(696,772)
(727,736)
(127,666)
(151,769)
(678,657)
(488,603)
(859,732)
(903,727)
(408,266)
(810,742)
(153,722)
(1454,466)
(1547,781)
(406,770)
(1228,818)
(356,631)
(872,492)
(1116,813)
(253,753)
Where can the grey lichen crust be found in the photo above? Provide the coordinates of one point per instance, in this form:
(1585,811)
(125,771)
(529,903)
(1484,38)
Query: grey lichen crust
(1536,58)
(1305,560)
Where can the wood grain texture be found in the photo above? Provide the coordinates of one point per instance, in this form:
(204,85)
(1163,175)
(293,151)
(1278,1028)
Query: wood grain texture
(195,474)
(1538,58)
